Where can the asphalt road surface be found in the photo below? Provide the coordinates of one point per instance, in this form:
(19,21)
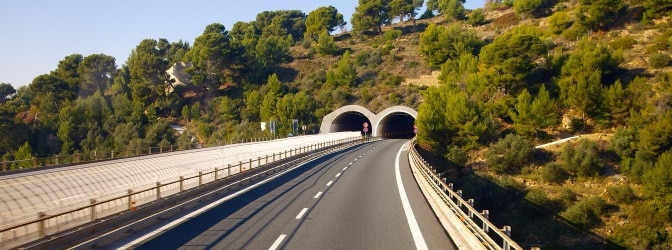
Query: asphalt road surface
(361,198)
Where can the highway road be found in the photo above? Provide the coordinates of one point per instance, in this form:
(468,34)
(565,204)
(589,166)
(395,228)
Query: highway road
(361,198)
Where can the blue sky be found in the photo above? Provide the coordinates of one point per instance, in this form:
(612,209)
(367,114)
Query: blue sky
(37,34)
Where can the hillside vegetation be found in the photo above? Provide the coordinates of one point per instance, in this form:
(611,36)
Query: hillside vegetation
(489,85)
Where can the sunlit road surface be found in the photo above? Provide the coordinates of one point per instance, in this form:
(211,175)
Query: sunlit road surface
(346,200)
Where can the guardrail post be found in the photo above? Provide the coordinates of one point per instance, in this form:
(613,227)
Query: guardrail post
(273,156)
(56,159)
(34,162)
(4,166)
(41,225)
(486,215)
(158,190)
(181,183)
(160,149)
(507,231)
(250,165)
(259,161)
(240,166)
(131,204)
(200,178)
(266,160)
(93,210)
(228,173)
(471,203)
(216,170)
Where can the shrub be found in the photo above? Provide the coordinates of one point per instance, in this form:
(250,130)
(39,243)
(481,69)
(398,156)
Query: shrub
(510,154)
(659,60)
(582,159)
(587,212)
(621,194)
(457,155)
(539,198)
(559,22)
(567,197)
(553,173)
(477,17)
(626,42)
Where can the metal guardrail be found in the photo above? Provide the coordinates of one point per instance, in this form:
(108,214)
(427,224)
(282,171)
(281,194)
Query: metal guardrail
(476,222)
(50,224)
(94,156)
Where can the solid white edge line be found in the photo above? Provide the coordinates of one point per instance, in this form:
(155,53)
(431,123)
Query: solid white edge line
(303,211)
(318,195)
(410,217)
(345,168)
(329,183)
(277,242)
(337,175)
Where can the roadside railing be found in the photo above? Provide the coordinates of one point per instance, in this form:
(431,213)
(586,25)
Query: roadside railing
(49,224)
(491,236)
(107,155)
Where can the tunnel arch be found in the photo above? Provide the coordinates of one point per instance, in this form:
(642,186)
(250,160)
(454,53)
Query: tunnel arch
(396,121)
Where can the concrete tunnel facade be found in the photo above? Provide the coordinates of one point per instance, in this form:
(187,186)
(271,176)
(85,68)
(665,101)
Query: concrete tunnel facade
(391,122)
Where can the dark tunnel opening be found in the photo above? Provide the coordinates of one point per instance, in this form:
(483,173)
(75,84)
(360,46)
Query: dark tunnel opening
(350,121)
(397,126)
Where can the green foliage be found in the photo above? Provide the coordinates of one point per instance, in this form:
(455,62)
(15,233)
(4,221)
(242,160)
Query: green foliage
(6,90)
(323,19)
(510,154)
(439,43)
(511,57)
(559,22)
(452,9)
(626,42)
(23,157)
(370,15)
(457,155)
(529,7)
(344,74)
(326,45)
(622,194)
(656,8)
(659,60)
(582,159)
(658,181)
(567,197)
(539,198)
(477,17)
(553,173)
(633,236)
(599,14)
(404,8)
(274,50)
(586,213)
(623,143)
(617,102)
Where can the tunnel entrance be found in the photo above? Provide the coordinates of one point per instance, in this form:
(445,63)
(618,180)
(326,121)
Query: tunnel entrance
(349,121)
(398,125)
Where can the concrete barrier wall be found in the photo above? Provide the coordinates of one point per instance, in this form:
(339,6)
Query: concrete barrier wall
(24,196)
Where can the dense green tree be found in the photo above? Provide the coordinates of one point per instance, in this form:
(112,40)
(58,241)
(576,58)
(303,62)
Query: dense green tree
(274,91)
(440,43)
(512,56)
(211,56)
(274,50)
(6,90)
(477,17)
(405,8)
(617,102)
(658,181)
(559,22)
(522,117)
(370,15)
(250,110)
(96,74)
(227,110)
(530,7)
(282,23)
(67,70)
(583,75)
(146,67)
(344,74)
(599,14)
(19,132)
(545,110)
(456,71)
(323,19)
(452,9)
